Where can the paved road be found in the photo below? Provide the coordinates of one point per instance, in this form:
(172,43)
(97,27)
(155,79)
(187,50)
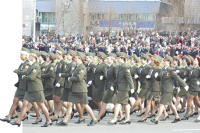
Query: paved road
(162,127)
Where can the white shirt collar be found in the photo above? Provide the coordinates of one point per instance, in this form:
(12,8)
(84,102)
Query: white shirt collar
(132,65)
(59,60)
(166,67)
(70,61)
(78,64)
(23,61)
(31,62)
(110,64)
(42,62)
(144,65)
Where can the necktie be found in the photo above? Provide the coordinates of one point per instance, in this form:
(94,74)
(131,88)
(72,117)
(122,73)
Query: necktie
(151,72)
(107,71)
(192,70)
(56,66)
(141,69)
(163,71)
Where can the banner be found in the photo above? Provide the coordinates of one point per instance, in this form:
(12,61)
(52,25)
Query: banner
(127,24)
(24,26)
(47,26)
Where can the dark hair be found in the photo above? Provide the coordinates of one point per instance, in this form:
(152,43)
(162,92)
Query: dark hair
(51,59)
(63,56)
(101,57)
(177,61)
(144,59)
(44,57)
(133,59)
(81,59)
(188,62)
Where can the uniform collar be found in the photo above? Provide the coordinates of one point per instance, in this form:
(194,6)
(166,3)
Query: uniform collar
(24,61)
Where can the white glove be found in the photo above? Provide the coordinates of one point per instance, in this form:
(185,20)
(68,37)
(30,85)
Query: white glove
(156,75)
(57,85)
(13,70)
(59,74)
(186,88)
(198,83)
(89,82)
(88,85)
(148,77)
(132,90)
(136,76)
(111,88)
(101,77)
(184,79)
(69,78)
(23,76)
(177,71)
(176,88)
(173,87)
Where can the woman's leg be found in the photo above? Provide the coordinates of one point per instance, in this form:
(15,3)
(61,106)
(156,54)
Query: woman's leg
(116,112)
(190,98)
(45,111)
(57,111)
(36,108)
(161,108)
(127,111)
(102,111)
(99,103)
(69,110)
(136,104)
(23,111)
(20,104)
(13,107)
(89,110)
(147,109)
(29,107)
(80,110)
(55,103)
(173,108)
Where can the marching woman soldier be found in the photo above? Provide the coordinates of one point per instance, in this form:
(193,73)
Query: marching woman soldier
(67,86)
(110,88)
(133,69)
(21,85)
(184,74)
(99,80)
(34,89)
(154,86)
(43,65)
(123,84)
(194,76)
(167,76)
(59,81)
(145,83)
(90,71)
(78,92)
(176,65)
(49,79)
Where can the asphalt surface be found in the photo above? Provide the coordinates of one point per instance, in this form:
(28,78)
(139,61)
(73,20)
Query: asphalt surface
(187,126)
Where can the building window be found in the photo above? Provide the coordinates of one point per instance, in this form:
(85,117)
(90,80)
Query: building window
(48,17)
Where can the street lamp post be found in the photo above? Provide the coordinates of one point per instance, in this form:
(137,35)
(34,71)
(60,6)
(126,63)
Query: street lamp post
(34,4)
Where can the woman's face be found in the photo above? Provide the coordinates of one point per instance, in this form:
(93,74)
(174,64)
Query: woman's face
(184,62)
(40,58)
(77,60)
(58,56)
(88,59)
(109,60)
(48,60)
(31,58)
(152,63)
(23,56)
(120,60)
(132,61)
(69,57)
(99,59)
(174,62)
(195,62)
(166,63)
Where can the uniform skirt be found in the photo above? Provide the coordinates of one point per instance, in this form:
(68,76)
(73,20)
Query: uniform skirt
(122,97)
(155,95)
(166,98)
(37,96)
(48,94)
(20,93)
(81,98)
(98,94)
(143,93)
(135,94)
(175,91)
(194,93)
(109,96)
(183,93)
(91,90)
(58,91)
(65,94)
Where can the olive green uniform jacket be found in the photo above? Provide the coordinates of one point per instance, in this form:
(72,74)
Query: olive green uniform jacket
(194,76)
(123,80)
(33,78)
(49,76)
(22,71)
(167,78)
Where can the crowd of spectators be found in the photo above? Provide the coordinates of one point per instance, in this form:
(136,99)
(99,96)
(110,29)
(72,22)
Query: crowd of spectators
(161,43)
